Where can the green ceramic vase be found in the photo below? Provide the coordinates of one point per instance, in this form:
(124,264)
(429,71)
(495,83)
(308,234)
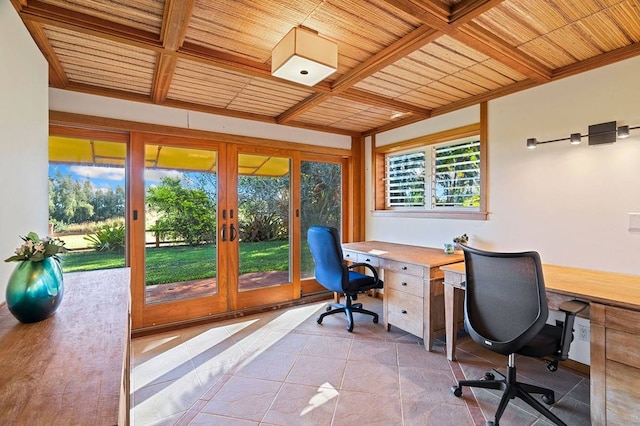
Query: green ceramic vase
(35,290)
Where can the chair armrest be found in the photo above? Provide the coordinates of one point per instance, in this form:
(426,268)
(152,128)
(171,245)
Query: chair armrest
(570,308)
(366,265)
(573,307)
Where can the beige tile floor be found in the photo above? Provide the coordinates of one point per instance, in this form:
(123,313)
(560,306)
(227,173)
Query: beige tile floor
(282,368)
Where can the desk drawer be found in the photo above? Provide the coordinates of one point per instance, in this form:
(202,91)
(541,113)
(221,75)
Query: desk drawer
(405,311)
(351,256)
(367,258)
(405,268)
(405,283)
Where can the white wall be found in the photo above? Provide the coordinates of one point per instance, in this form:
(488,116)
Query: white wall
(23,138)
(80,103)
(570,203)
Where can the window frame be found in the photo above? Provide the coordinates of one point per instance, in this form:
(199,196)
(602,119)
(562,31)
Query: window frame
(379,165)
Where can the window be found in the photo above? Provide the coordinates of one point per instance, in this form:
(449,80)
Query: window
(438,175)
(445,176)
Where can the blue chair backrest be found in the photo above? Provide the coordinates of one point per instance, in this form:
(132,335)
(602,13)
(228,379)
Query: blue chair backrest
(325,247)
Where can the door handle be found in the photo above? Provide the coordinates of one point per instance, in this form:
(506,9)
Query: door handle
(223,232)
(234,233)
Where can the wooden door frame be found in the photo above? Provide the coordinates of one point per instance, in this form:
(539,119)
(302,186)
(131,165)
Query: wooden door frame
(94,127)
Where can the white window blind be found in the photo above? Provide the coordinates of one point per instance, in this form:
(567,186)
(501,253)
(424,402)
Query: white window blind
(405,179)
(453,172)
(455,181)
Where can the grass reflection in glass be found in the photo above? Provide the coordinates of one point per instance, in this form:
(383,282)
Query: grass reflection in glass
(185,263)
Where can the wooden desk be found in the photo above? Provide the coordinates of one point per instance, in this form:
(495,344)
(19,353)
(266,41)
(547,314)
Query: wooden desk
(614,305)
(73,367)
(413,284)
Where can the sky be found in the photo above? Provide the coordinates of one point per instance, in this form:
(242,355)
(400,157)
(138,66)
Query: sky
(108,177)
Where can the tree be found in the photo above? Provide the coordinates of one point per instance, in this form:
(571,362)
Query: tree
(264,208)
(108,203)
(321,194)
(184,213)
(69,201)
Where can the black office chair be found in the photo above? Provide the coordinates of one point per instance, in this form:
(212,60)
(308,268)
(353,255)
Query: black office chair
(505,310)
(333,273)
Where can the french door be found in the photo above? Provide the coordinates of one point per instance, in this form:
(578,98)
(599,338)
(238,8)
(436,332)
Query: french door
(213,228)
(178,265)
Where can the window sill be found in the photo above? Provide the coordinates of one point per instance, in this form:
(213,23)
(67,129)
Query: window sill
(475,215)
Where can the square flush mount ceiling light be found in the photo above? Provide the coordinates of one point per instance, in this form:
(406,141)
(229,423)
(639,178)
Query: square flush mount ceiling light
(304,57)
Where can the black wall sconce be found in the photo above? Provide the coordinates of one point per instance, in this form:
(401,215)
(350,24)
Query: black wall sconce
(598,134)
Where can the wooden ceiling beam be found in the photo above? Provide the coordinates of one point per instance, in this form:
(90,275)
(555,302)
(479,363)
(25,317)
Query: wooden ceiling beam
(175,22)
(162,77)
(611,57)
(465,11)
(459,26)
(485,97)
(428,12)
(407,44)
(473,35)
(463,103)
(368,98)
(136,97)
(302,107)
(177,14)
(87,24)
(57,75)
(390,54)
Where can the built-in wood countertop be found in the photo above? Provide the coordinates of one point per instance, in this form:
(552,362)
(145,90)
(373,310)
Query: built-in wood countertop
(69,369)
(417,255)
(608,288)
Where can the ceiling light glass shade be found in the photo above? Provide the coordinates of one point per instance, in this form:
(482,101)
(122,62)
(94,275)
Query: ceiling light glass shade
(531,143)
(304,57)
(623,132)
(575,138)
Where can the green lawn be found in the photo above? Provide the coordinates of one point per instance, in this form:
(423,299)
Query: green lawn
(185,263)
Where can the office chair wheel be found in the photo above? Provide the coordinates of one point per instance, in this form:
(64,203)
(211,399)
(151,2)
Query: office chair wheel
(457,391)
(552,366)
(489,376)
(548,399)
(375,320)
(350,328)
(319,320)
(328,308)
(490,423)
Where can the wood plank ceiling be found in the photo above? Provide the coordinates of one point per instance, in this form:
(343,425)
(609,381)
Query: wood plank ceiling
(400,61)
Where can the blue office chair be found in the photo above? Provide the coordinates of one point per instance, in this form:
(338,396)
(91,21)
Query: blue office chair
(505,311)
(333,273)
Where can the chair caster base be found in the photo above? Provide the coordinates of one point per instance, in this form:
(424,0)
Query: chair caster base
(457,391)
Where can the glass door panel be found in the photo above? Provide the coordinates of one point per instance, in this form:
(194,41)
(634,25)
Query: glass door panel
(321,204)
(263,221)
(181,192)
(87,197)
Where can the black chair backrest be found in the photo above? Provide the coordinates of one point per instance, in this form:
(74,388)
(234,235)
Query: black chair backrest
(505,300)
(326,249)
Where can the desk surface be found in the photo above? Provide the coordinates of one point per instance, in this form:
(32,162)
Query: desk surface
(608,288)
(68,368)
(418,255)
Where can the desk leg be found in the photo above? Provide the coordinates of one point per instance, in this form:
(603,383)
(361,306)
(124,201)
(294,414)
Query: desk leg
(452,297)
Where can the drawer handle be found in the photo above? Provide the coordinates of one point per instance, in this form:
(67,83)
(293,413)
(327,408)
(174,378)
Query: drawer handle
(404,268)
(367,260)
(404,284)
(404,311)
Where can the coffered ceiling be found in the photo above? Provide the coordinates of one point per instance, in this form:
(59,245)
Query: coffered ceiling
(399,61)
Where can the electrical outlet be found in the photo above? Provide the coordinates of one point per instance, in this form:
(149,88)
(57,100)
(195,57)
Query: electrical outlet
(583,332)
